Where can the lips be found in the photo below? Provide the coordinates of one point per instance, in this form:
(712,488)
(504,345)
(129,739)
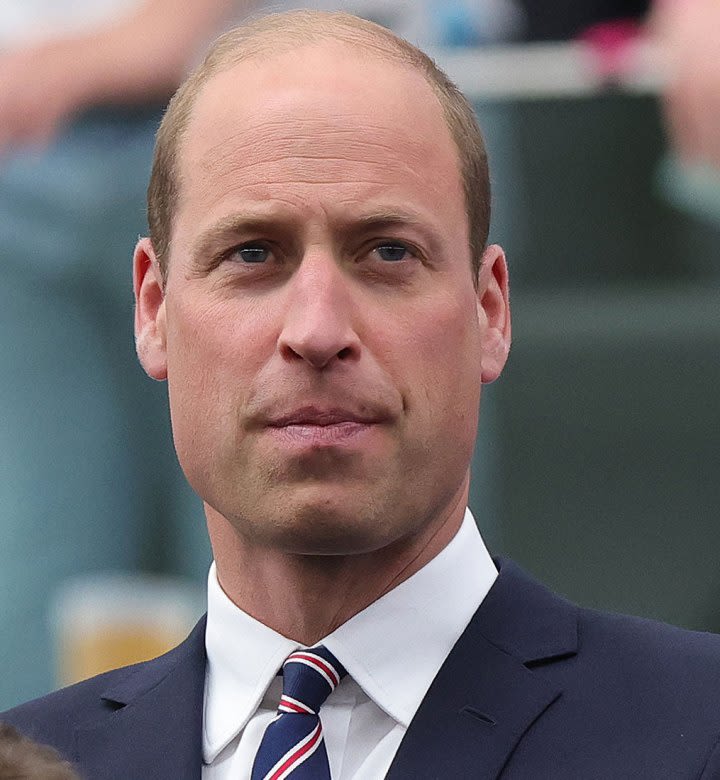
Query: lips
(313,416)
(316,428)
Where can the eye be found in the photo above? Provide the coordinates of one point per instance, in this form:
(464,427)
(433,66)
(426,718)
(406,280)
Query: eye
(252,253)
(393,252)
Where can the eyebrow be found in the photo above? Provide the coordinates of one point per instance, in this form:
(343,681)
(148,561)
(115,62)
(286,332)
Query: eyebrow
(389,216)
(239,224)
(233,225)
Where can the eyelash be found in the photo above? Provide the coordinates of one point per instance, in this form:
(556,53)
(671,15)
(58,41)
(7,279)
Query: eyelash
(396,244)
(392,243)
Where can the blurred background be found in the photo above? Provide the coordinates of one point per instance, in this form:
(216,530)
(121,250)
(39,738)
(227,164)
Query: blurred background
(597,461)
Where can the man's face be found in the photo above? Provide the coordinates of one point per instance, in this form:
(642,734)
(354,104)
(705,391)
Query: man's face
(320,331)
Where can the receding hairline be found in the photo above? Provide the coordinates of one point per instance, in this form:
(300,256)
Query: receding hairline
(273,35)
(258,60)
(277,34)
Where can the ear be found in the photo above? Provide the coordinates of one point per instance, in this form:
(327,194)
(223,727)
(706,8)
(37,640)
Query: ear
(493,302)
(150,322)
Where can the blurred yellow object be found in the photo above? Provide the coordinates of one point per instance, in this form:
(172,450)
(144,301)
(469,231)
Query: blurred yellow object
(106,621)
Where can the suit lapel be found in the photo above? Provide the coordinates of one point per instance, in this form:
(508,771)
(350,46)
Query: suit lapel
(477,709)
(486,695)
(156,731)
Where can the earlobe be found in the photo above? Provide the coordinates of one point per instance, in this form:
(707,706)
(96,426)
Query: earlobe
(494,312)
(150,323)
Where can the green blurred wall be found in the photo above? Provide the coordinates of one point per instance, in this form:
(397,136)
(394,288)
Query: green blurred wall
(598,466)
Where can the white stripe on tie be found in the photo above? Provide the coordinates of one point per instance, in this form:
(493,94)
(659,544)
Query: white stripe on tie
(298,704)
(316,667)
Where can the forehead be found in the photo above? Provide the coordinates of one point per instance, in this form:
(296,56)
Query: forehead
(325,116)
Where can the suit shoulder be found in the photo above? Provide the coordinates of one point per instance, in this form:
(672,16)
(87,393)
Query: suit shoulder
(616,633)
(548,626)
(654,661)
(53,719)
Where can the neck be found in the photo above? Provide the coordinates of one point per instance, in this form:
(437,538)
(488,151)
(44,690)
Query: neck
(306,597)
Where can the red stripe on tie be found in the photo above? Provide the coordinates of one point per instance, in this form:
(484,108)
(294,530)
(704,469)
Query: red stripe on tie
(329,671)
(297,755)
(295,708)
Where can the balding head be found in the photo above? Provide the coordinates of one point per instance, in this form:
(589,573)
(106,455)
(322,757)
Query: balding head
(279,33)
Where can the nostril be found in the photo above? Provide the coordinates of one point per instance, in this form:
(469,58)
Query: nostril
(289,353)
(344,353)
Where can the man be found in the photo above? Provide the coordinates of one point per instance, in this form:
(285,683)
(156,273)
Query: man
(318,294)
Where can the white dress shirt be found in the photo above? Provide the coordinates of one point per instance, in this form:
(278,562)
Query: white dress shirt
(392,651)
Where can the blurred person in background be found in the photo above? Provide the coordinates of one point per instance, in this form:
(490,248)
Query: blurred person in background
(563,19)
(85,479)
(685,35)
(689,32)
(60,58)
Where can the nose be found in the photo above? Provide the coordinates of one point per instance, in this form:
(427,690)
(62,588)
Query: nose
(318,325)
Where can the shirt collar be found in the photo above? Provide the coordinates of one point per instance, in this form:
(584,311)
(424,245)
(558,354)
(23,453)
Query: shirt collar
(243,657)
(395,647)
(429,610)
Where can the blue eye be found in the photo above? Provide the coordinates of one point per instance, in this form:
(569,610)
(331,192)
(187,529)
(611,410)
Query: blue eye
(392,253)
(252,254)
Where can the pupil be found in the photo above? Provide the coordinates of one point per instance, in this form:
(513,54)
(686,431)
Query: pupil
(392,253)
(253,254)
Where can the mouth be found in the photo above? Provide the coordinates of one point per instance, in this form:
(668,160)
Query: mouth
(311,426)
(322,418)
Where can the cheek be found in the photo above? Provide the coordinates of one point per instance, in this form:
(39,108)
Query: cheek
(442,366)
(213,354)
(215,340)
(447,342)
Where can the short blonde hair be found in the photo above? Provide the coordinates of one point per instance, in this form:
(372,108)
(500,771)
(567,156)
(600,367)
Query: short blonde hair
(278,33)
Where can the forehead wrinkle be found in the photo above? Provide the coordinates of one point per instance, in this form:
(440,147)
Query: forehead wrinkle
(304,187)
(286,138)
(336,150)
(333,172)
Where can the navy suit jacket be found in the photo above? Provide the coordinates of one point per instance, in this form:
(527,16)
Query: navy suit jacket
(534,688)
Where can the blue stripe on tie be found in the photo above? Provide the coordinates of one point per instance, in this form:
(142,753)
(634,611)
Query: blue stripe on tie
(292,745)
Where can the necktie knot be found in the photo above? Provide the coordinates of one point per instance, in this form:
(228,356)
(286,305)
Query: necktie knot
(293,746)
(309,677)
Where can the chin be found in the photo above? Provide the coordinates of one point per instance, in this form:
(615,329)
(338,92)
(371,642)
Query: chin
(322,529)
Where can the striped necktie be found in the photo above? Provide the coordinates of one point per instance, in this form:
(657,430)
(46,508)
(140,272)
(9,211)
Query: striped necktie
(292,745)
